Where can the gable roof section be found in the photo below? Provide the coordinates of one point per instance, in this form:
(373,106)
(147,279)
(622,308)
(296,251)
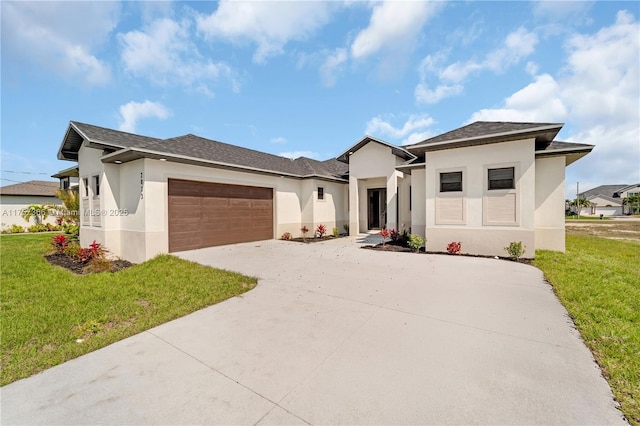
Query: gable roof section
(613,202)
(77,133)
(40,188)
(485,132)
(396,150)
(604,190)
(626,188)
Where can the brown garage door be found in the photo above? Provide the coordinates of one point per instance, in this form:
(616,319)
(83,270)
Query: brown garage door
(204,214)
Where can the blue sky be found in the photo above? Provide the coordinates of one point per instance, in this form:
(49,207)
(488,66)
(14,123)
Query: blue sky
(312,78)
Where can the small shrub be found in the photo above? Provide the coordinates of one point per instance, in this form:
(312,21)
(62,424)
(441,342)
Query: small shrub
(454,248)
(98,264)
(384,233)
(394,235)
(346,228)
(304,231)
(414,242)
(60,243)
(286,236)
(94,251)
(515,249)
(13,229)
(72,250)
(336,232)
(73,231)
(321,230)
(39,227)
(404,238)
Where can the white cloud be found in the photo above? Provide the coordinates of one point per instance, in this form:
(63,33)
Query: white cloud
(427,96)
(133,111)
(164,53)
(269,25)
(393,25)
(279,140)
(413,130)
(333,65)
(60,36)
(597,93)
(539,101)
(531,68)
(297,154)
(516,46)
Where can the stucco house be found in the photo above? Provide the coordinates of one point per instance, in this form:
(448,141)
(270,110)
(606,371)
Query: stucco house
(485,184)
(608,200)
(16,198)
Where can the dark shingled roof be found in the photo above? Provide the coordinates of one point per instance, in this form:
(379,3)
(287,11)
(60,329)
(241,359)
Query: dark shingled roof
(196,147)
(41,188)
(606,190)
(558,145)
(486,132)
(112,137)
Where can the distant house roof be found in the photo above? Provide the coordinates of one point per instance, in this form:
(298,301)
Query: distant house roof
(39,188)
(122,147)
(605,190)
(626,188)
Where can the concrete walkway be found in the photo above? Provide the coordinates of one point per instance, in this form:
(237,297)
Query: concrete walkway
(338,335)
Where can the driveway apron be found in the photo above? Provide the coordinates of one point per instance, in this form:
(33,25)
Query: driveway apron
(334,334)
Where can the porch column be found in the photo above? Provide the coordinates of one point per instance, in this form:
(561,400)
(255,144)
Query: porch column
(392,196)
(354,214)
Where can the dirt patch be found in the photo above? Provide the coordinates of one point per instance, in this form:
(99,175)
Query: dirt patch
(315,239)
(77,267)
(612,229)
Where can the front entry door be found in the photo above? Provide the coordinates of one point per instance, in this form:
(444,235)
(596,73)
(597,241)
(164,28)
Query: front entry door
(377,208)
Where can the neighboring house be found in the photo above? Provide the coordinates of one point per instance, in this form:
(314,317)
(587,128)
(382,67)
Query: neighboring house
(69,179)
(485,185)
(16,198)
(625,193)
(606,200)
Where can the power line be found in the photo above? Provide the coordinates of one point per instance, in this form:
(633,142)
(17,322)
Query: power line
(24,173)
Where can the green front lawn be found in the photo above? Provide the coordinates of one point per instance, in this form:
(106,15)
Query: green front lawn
(46,309)
(598,281)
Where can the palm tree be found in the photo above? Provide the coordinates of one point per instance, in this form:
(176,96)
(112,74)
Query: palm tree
(37,212)
(71,202)
(579,203)
(633,203)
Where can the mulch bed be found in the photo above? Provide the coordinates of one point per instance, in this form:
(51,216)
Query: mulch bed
(396,248)
(315,239)
(74,266)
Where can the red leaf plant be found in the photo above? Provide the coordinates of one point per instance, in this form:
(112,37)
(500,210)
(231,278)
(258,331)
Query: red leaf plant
(60,243)
(321,230)
(454,248)
(384,233)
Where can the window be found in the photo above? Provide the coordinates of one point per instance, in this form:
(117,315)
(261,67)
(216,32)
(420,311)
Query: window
(502,178)
(451,182)
(85,184)
(96,187)
(320,193)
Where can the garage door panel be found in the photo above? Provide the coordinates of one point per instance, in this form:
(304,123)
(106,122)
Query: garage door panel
(205,214)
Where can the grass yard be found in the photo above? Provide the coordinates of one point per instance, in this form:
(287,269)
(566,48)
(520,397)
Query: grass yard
(45,308)
(598,281)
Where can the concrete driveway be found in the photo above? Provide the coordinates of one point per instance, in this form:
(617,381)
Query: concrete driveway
(338,335)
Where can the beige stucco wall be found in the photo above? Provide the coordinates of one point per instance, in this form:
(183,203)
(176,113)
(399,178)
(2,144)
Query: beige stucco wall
(372,166)
(135,200)
(12,206)
(550,201)
(475,235)
(418,208)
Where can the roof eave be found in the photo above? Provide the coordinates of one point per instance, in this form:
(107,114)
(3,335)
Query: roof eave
(571,154)
(487,139)
(396,150)
(131,154)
